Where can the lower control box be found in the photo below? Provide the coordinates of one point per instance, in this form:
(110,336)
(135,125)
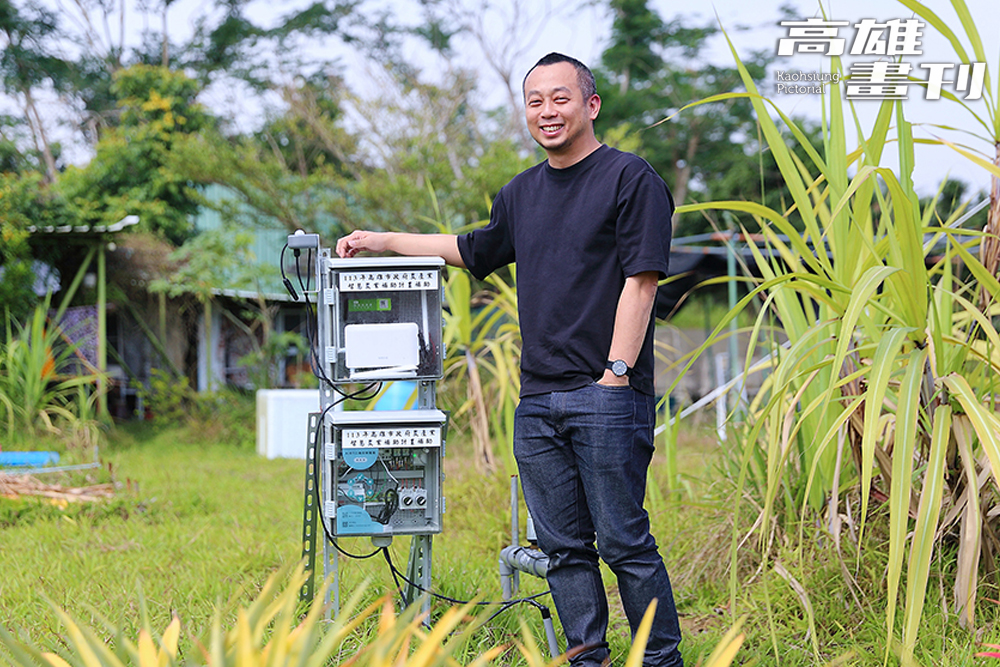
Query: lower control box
(383,473)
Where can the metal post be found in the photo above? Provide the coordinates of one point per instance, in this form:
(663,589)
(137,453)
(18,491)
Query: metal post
(419,571)
(426,395)
(102,332)
(734,363)
(327,400)
(720,405)
(311,509)
(515,530)
(325,325)
(332,568)
(550,632)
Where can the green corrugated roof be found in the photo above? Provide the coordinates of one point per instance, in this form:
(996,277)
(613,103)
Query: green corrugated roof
(268,239)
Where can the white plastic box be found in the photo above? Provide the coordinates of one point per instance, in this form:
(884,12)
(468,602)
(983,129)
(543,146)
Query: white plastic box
(283,421)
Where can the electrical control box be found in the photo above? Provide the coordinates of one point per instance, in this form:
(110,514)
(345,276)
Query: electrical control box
(374,473)
(383,472)
(386,318)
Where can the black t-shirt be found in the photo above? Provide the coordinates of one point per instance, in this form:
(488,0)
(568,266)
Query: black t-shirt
(575,235)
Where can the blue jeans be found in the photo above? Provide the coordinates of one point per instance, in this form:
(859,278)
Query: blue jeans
(583,456)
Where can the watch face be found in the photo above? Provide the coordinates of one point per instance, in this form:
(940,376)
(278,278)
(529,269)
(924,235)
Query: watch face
(619,367)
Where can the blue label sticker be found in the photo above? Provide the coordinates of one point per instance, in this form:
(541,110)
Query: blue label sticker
(360,459)
(354,520)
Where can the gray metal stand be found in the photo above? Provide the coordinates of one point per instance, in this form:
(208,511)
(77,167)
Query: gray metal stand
(310,511)
(418,571)
(381,300)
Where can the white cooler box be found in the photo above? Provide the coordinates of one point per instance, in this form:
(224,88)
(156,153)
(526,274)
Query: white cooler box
(283,421)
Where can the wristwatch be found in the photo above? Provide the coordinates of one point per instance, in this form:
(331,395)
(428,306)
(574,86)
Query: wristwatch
(618,367)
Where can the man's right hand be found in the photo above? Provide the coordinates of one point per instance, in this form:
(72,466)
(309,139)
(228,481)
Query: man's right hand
(428,245)
(359,240)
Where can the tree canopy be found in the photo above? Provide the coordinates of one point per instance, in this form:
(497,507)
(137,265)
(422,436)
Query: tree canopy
(648,73)
(424,151)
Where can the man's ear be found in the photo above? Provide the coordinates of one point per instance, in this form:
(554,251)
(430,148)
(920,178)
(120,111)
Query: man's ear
(594,106)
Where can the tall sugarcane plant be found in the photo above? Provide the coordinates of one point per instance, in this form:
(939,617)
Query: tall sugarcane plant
(483,343)
(886,384)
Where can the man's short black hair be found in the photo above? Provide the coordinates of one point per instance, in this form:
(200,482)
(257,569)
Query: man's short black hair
(584,77)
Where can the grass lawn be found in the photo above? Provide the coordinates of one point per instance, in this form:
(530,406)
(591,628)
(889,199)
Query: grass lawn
(199,525)
(194,523)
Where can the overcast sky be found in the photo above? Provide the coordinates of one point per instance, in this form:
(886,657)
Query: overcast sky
(753,24)
(587,37)
(583,29)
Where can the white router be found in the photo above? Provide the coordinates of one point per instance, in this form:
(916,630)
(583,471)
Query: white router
(382,350)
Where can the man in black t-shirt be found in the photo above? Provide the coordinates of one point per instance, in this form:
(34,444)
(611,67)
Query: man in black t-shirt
(589,230)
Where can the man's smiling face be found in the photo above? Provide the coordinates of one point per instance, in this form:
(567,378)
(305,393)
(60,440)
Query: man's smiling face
(559,119)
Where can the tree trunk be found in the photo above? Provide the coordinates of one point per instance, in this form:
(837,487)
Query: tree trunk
(683,175)
(209,348)
(481,443)
(38,130)
(625,82)
(165,56)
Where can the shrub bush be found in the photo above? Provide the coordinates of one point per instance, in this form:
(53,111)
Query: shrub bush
(226,416)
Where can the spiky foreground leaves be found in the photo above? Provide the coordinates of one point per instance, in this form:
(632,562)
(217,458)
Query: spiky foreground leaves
(271,632)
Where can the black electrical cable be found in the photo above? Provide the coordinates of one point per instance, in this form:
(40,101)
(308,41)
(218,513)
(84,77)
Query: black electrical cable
(505,605)
(502,609)
(513,603)
(373,387)
(317,458)
(312,330)
(284,278)
(298,269)
(298,274)
(395,578)
(359,395)
(312,320)
(390,503)
(486,603)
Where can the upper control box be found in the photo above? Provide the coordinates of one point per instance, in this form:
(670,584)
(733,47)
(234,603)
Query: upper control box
(386,315)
